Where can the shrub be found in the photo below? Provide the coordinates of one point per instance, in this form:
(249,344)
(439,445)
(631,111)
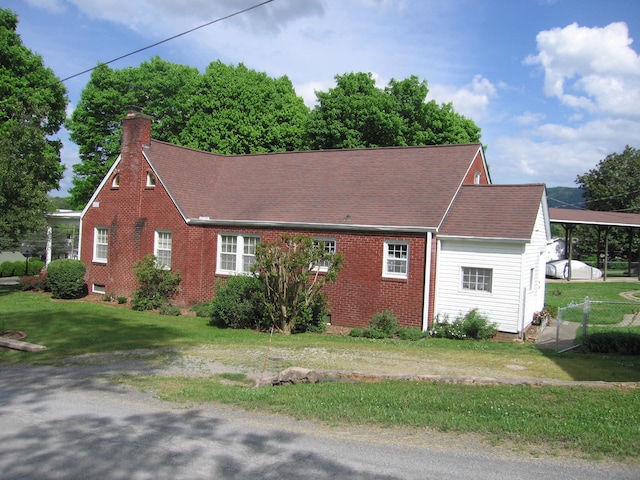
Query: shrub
(170,310)
(237,303)
(385,321)
(156,286)
(472,325)
(35,266)
(19,268)
(622,342)
(31,282)
(313,318)
(6,269)
(204,309)
(412,334)
(122,300)
(66,278)
(355,332)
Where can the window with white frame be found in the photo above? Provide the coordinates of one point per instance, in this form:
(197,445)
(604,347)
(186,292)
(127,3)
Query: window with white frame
(396,260)
(329,245)
(236,253)
(151,179)
(100,244)
(162,248)
(478,279)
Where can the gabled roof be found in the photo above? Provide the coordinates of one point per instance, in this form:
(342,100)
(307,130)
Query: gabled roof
(505,212)
(407,188)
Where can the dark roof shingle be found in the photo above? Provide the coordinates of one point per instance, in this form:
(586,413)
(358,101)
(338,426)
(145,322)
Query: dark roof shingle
(494,211)
(385,187)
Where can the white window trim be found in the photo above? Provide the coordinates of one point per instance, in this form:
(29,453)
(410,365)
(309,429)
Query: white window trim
(476,291)
(239,254)
(151,180)
(97,259)
(98,288)
(327,240)
(156,248)
(385,272)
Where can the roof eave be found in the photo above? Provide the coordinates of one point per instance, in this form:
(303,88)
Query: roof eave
(309,226)
(484,239)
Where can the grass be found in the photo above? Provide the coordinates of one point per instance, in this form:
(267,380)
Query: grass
(593,423)
(589,422)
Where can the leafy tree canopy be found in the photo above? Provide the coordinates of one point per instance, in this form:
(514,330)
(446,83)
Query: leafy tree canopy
(357,114)
(33,108)
(225,110)
(614,184)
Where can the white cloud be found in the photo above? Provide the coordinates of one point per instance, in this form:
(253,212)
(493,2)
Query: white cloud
(471,100)
(558,153)
(178,14)
(591,69)
(529,118)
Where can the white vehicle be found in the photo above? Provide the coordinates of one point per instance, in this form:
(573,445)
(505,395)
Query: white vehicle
(579,270)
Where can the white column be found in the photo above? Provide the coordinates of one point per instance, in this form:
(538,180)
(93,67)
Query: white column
(49,244)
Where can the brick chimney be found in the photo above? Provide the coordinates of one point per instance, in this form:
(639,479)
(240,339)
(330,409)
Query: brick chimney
(136,131)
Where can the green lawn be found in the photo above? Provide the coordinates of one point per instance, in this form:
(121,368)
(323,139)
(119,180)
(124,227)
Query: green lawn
(588,422)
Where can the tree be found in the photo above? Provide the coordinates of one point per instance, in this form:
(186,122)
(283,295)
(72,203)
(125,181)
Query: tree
(614,186)
(235,110)
(357,114)
(291,273)
(160,87)
(227,109)
(33,108)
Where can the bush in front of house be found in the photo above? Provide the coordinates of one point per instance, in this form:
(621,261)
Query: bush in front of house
(6,269)
(237,304)
(19,268)
(622,342)
(156,285)
(472,325)
(66,278)
(313,318)
(34,266)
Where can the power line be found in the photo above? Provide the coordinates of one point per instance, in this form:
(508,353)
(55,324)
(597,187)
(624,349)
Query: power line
(239,12)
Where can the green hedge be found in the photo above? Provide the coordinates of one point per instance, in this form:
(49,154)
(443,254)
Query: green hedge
(623,342)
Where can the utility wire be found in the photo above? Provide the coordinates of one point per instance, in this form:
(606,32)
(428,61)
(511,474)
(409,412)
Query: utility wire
(168,39)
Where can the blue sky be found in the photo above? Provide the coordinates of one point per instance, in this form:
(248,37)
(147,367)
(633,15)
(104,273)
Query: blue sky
(553,84)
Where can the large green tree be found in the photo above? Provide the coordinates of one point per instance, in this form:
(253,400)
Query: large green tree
(358,114)
(161,88)
(613,185)
(236,110)
(225,110)
(33,103)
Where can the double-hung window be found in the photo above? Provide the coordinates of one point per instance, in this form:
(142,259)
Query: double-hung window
(396,260)
(162,249)
(100,244)
(478,279)
(236,253)
(329,245)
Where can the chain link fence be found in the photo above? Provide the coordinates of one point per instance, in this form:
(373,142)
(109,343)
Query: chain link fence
(577,320)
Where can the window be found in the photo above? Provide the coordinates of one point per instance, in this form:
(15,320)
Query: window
(97,288)
(479,279)
(396,260)
(162,249)
(151,180)
(329,245)
(100,244)
(236,253)
(115,183)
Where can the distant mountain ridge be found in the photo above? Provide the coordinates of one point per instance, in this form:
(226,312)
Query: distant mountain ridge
(565,197)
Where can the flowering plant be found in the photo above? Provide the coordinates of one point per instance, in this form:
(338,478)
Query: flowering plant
(543,316)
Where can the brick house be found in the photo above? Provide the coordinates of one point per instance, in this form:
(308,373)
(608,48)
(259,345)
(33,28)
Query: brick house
(423,231)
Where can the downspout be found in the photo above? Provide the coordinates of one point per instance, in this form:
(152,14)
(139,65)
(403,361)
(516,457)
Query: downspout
(427,282)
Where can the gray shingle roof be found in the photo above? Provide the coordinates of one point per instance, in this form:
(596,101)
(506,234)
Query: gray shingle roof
(384,188)
(494,211)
